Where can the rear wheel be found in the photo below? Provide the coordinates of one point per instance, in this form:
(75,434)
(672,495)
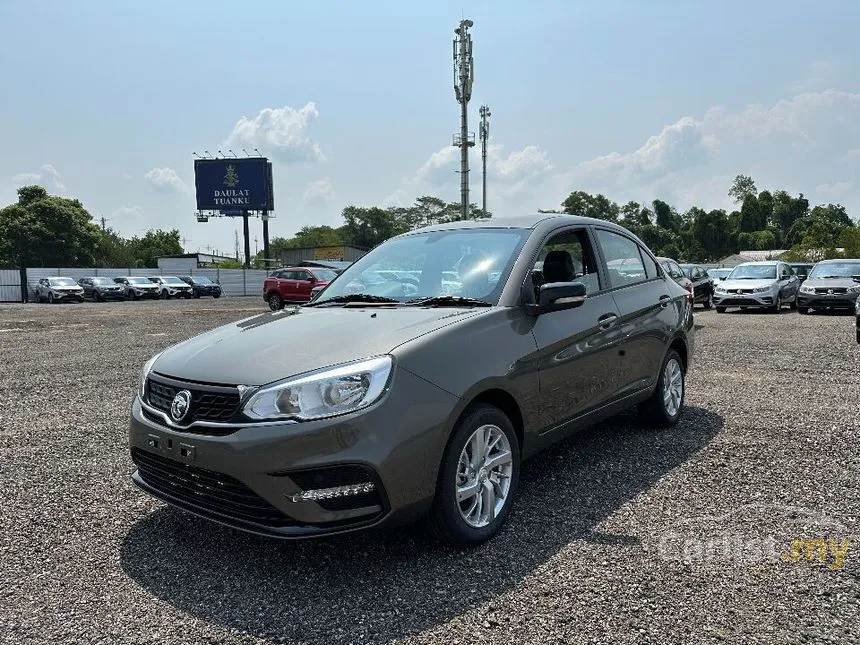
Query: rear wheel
(477,478)
(709,301)
(721,310)
(50,298)
(803,310)
(858,331)
(664,407)
(275,301)
(165,294)
(216,295)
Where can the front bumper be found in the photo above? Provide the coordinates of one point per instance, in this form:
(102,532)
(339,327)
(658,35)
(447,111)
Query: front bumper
(146,293)
(758,300)
(246,477)
(62,296)
(111,295)
(179,293)
(845,300)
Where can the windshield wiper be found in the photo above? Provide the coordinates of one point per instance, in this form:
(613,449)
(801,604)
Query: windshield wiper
(828,277)
(354,297)
(449,301)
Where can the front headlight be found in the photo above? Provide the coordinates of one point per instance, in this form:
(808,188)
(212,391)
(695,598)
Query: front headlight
(854,289)
(807,289)
(144,374)
(719,290)
(762,289)
(327,393)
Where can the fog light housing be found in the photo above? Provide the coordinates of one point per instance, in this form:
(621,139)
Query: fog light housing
(333,492)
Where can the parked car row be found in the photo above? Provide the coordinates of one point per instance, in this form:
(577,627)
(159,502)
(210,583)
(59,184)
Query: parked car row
(101,288)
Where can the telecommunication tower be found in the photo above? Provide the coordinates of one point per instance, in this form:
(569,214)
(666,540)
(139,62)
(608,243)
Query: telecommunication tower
(464,75)
(484,132)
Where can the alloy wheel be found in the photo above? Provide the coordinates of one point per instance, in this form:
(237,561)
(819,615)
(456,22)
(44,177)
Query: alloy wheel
(673,387)
(484,476)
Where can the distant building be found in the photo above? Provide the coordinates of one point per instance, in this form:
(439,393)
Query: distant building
(344,253)
(185,262)
(748,256)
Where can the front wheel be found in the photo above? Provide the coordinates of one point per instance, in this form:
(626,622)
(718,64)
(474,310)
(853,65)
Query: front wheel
(477,478)
(664,407)
(216,295)
(276,303)
(709,302)
(803,310)
(721,310)
(51,299)
(165,295)
(777,306)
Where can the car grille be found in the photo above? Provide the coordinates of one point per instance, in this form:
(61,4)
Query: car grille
(213,492)
(826,290)
(742,301)
(208,403)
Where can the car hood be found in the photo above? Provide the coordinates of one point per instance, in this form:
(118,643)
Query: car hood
(746,284)
(829,283)
(276,345)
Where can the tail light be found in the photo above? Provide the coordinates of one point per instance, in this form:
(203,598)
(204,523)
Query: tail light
(689,288)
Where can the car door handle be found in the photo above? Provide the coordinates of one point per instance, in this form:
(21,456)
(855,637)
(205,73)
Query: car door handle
(607,320)
(664,301)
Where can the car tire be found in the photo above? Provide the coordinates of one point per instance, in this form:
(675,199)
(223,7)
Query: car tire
(463,522)
(803,310)
(216,295)
(721,310)
(666,404)
(51,300)
(196,296)
(777,306)
(858,333)
(709,302)
(165,295)
(276,303)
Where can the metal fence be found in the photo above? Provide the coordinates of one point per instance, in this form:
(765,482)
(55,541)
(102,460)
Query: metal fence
(10,285)
(234,282)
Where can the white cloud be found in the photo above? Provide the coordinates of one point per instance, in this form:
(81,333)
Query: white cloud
(165,180)
(838,189)
(319,191)
(47,177)
(279,132)
(795,142)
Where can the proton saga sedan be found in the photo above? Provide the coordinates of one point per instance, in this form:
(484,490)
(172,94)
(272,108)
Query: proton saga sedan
(758,285)
(832,284)
(419,404)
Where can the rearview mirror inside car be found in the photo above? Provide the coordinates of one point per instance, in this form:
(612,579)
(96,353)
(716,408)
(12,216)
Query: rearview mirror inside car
(556,296)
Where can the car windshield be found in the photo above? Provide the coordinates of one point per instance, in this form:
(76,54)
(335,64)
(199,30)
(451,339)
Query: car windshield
(139,281)
(172,280)
(324,275)
(101,281)
(687,269)
(470,263)
(201,280)
(835,270)
(753,272)
(62,282)
(718,273)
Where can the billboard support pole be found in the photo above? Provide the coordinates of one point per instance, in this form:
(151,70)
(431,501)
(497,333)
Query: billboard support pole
(266,238)
(247,239)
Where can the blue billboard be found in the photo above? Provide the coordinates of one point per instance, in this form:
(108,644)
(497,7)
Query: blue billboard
(233,185)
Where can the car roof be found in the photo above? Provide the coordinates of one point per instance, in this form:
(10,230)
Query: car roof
(765,263)
(836,260)
(519,221)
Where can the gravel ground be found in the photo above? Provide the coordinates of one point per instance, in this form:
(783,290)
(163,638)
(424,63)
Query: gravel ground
(620,534)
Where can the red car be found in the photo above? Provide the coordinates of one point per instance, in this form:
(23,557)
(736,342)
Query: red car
(294,284)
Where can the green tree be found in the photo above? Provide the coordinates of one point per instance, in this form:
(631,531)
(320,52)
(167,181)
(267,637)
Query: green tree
(45,230)
(711,231)
(367,227)
(787,210)
(665,216)
(741,188)
(753,217)
(155,243)
(597,206)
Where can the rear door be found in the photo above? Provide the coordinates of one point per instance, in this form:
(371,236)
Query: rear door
(577,349)
(648,302)
(287,285)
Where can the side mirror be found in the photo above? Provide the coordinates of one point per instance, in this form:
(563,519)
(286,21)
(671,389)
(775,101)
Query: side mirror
(311,279)
(556,296)
(856,278)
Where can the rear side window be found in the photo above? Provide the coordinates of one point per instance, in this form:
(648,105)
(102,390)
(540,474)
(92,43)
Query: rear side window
(626,263)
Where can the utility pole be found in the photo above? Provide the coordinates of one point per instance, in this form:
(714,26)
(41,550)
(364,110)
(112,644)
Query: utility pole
(236,244)
(266,239)
(485,135)
(464,75)
(247,240)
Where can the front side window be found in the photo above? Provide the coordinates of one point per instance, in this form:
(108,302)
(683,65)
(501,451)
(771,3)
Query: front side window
(472,263)
(567,257)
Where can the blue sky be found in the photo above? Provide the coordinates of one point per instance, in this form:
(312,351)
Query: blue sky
(106,101)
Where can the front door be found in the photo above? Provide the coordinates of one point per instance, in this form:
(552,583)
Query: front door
(577,348)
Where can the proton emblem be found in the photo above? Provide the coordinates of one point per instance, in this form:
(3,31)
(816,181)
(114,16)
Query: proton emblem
(180,405)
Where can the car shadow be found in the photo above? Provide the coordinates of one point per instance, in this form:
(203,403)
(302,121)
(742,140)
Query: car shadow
(379,586)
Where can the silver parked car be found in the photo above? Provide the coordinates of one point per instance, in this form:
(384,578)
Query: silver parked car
(172,287)
(100,288)
(832,284)
(58,289)
(760,285)
(138,287)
